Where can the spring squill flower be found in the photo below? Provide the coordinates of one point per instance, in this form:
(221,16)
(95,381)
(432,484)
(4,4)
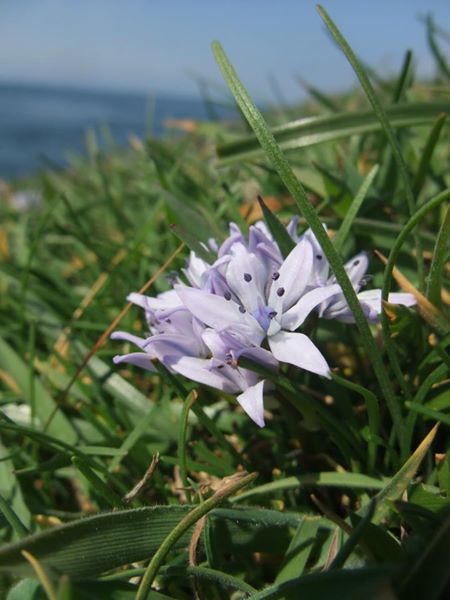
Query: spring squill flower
(258,303)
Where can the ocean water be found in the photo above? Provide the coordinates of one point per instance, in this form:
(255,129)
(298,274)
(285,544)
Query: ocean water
(42,126)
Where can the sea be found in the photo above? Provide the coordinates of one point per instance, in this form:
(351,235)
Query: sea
(42,127)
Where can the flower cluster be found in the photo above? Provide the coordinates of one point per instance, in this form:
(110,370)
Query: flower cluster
(250,302)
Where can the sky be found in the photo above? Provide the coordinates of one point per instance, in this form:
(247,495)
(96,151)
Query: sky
(159,46)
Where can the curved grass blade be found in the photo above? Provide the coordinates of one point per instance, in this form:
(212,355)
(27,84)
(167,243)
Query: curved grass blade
(427,153)
(356,204)
(356,481)
(436,51)
(291,182)
(440,252)
(60,427)
(277,229)
(309,131)
(353,583)
(398,484)
(228,488)
(430,573)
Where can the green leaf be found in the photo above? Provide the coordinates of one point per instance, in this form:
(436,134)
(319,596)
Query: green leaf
(95,544)
(92,545)
(27,589)
(46,408)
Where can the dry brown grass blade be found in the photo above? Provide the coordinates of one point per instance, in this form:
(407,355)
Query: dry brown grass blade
(101,340)
(62,343)
(426,309)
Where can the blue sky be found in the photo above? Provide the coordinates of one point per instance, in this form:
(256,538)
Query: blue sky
(154,45)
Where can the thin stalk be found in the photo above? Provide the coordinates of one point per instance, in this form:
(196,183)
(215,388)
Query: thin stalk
(239,481)
(386,125)
(291,182)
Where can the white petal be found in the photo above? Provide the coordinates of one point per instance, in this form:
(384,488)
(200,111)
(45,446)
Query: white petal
(218,313)
(139,359)
(402,298)
(296,315)
(246,264)
(295,274)
(129,337)
(163,301)
(297,349)
(198,369)
(356,268)
(252,402)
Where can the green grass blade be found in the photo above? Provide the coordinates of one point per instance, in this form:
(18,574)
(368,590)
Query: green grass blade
(100,487)
(435,50)
(427,153)
(355,481)
(184,525)
(12,518)
(309,131)
(45,406)
(436,415)
(356,204)
(398,484)
(429,576)
(288,177)
(385,124)
(438,260)
(277,229)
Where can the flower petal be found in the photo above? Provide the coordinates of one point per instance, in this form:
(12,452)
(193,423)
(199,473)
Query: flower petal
(220,314)
(246,275)
(164,301)
(356,268)
(252,401)
(402,298)
(129,337)
(297,349)
(296,315)
(139,359)
(294,276)
(199,369)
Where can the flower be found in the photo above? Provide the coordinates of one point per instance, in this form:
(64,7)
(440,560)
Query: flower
(248,303)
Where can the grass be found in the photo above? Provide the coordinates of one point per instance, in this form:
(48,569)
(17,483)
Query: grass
(113,480)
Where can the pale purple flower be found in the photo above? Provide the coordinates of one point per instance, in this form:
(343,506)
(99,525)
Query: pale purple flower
(260,303)
(370,300)
(223,372)
(174,332)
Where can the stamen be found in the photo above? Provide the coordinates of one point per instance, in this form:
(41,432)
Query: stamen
(280,291)
(228,358)
(275,275)
(168,321)
(247,277)
(272,314)
(319,256)
(227,295)
(356,263)
(242,309)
